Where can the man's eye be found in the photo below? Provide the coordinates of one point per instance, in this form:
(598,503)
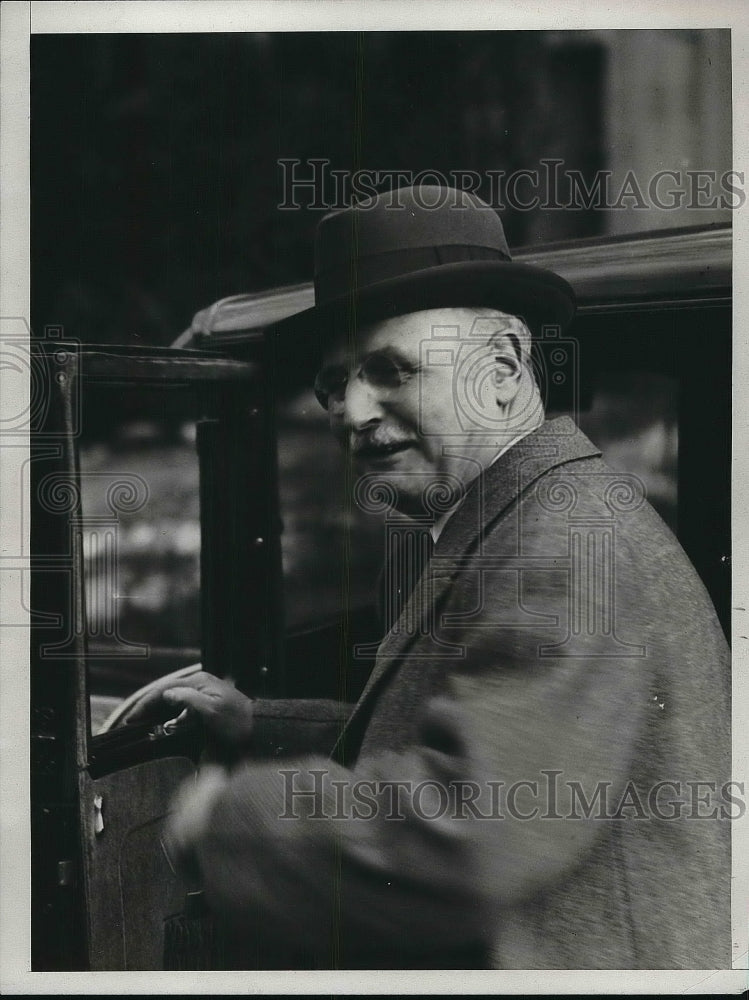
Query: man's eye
(377,370)
(382,371)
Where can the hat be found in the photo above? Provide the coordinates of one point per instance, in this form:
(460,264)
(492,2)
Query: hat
(415,248)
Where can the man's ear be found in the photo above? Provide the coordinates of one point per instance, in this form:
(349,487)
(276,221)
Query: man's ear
(507,368)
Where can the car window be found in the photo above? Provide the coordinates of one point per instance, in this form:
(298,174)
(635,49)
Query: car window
(140,536)
(140,489)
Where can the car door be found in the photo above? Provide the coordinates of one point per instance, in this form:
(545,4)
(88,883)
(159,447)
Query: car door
(143,459)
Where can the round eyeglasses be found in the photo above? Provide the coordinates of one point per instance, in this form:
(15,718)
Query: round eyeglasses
(379,370)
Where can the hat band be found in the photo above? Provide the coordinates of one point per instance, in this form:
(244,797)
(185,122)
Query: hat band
(359,273)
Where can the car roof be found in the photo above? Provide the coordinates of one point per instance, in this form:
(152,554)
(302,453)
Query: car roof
(678,266)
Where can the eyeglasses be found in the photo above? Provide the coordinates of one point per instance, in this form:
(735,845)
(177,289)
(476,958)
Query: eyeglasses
(378,369)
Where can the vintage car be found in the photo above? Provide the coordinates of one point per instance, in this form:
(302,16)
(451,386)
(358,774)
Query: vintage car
(246,547)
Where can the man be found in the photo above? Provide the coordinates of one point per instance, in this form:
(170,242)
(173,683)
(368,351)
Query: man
(516,786)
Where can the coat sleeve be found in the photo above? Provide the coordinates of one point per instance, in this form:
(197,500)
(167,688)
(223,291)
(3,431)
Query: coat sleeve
(426,848)
(486,805)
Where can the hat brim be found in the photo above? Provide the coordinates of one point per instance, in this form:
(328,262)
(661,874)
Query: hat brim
(539,296)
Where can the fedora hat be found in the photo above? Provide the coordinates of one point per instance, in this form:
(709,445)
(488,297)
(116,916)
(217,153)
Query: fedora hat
(416,248)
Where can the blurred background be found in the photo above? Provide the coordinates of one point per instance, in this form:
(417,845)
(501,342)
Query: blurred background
(156,188)
(155,171)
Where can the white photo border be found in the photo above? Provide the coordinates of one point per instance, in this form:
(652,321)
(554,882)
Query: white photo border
(17,21)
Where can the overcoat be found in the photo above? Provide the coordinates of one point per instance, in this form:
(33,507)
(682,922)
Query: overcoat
(536,775)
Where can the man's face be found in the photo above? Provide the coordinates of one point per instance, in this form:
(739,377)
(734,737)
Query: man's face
(396,411)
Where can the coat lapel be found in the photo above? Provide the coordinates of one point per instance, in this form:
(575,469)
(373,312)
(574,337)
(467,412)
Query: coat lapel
(488,497)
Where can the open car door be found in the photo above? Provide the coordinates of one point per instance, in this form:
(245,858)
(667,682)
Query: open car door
(104,896)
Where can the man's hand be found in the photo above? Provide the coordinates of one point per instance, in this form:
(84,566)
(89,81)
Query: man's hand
(226,712)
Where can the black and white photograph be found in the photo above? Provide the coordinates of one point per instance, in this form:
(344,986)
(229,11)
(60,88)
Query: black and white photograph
(371,595)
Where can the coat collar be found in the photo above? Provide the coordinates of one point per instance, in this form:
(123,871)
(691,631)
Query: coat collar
(554,443)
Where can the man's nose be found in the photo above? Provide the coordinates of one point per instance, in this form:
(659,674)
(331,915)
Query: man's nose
(361,405)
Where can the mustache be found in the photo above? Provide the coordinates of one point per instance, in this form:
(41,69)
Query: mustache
(374,442)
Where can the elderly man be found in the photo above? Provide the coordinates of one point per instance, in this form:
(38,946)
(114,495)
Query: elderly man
(535,774)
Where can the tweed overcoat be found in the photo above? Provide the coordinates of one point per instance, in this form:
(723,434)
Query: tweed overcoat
(549,701)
